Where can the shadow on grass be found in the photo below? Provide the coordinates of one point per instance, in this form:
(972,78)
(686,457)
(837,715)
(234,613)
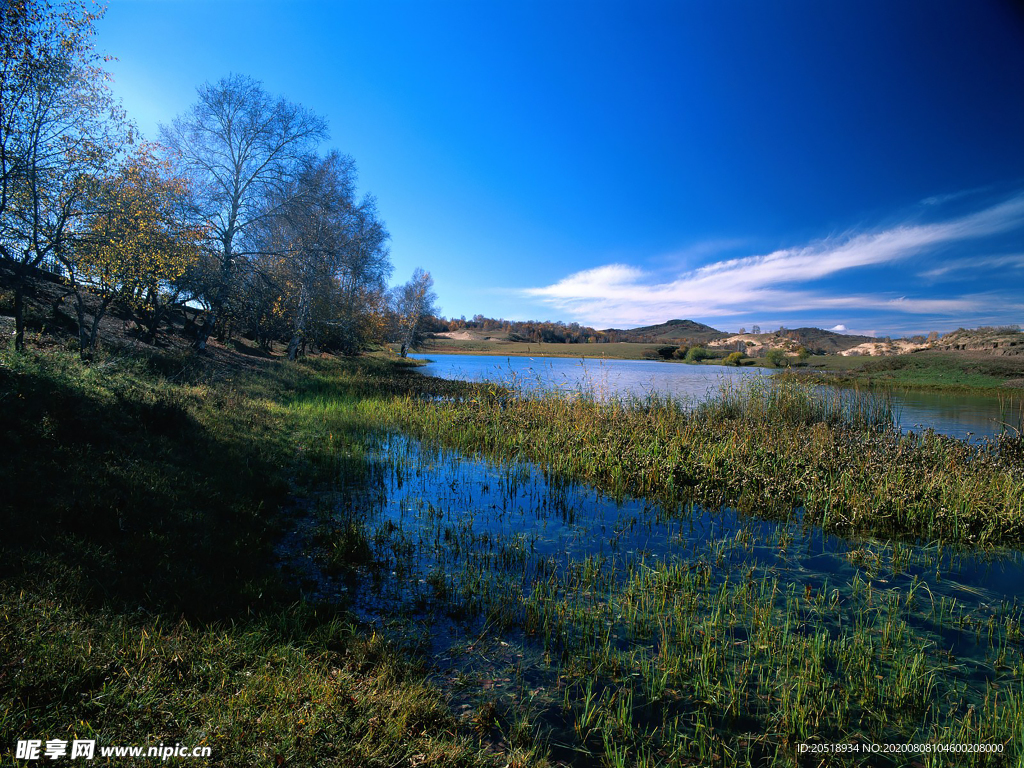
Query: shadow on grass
(155,494)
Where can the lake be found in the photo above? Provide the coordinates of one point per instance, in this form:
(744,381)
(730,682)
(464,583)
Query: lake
(957,415)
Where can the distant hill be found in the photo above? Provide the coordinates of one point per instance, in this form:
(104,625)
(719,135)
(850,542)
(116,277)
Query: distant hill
(993,341)
(820,341)
(1001,340)
(672,331)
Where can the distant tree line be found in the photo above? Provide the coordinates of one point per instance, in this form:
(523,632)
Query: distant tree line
(538,331)
(235,214)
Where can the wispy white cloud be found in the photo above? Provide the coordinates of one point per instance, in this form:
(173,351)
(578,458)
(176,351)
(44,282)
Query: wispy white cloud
(704,249)
(623,294)
(943,199)
(949,269)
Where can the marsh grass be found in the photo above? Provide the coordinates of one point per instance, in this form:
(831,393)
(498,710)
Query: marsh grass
(710,652)
(139,599)
(762,445)
(692,661)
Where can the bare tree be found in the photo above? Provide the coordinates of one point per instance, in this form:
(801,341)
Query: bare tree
(59,127)
(241,148)
(326,254)
(318,223)
(362,276)
(414,301)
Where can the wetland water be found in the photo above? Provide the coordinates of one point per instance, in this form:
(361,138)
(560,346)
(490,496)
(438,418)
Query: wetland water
(588,624)
(960,416)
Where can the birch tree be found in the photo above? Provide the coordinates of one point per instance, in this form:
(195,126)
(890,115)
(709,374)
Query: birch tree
(414,302)
(327,254)
(240,147)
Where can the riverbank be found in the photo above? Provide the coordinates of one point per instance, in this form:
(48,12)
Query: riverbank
(968,372)
(147,598)
(141,602)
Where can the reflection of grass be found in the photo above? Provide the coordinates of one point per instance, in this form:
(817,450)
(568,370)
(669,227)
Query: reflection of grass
(763,446)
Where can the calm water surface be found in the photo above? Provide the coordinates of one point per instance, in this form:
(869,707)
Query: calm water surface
(960,416)
(451,536)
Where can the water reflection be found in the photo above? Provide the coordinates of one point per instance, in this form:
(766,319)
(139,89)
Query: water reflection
(961,416)
(448,538)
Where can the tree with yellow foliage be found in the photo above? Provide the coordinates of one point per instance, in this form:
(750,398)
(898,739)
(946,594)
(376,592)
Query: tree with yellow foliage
(137,240)
(58,123)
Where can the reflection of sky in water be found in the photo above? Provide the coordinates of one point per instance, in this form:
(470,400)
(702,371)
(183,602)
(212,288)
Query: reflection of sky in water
(956,415)
(427,512)
(431,511)
(572,521)
(951,414)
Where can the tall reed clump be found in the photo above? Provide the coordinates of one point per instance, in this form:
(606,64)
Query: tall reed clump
(764,446)
(767,400)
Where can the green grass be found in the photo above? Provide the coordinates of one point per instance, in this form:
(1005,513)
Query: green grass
(942,371)
(141,602)
(763,446)
(139,599)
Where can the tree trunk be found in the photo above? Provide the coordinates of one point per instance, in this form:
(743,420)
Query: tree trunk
(19,314)
(96,325)
(213,315)
(203,331)
(83,330)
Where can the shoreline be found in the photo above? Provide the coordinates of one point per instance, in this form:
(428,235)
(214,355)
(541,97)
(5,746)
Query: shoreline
(818,370)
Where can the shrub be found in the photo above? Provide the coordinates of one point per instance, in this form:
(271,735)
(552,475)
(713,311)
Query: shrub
(776,358)
(696,354)
(733,358)
(680,354)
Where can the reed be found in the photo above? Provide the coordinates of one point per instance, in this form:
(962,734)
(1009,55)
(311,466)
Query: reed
(765,446)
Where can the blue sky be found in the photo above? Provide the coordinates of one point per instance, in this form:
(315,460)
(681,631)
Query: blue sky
(855,164)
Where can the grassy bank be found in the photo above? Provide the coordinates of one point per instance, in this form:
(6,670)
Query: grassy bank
(139,597)
(967,372)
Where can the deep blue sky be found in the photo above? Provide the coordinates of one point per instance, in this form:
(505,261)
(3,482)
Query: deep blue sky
(856,164)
